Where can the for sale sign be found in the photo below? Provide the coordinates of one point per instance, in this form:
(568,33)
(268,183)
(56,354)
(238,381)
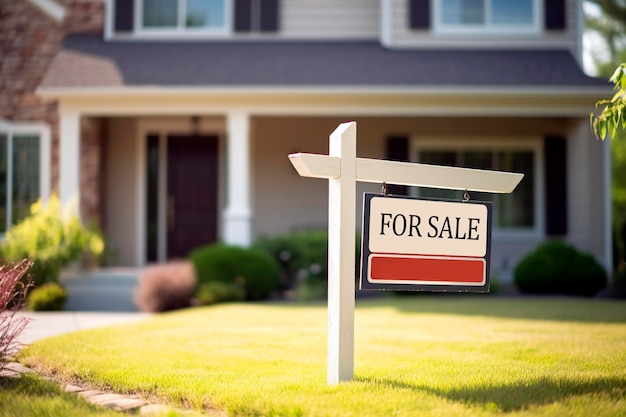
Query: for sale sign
(425,244)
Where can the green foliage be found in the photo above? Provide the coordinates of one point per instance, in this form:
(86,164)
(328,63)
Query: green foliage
(219,292)
(302,256)
(303,259)
(47,297)
(558,268)
(51,237)
(610,25)
(612,116)
(253,270)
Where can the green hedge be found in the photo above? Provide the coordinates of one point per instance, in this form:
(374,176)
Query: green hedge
(558,268)
(251,269)
(303,259)
(47,297)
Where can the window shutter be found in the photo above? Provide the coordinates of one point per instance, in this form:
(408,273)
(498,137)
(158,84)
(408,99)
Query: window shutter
(243,15)
(269,15)
(419,14)
(554,14)
(397,149)
(124,16)
(555,160)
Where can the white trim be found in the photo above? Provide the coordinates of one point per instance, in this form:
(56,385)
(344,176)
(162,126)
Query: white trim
(69,155)
(51,8)
(531,143)
(238,213)
(485,91)
(325,100)
(488,28)
(109,17)
(386,22)
(42,130)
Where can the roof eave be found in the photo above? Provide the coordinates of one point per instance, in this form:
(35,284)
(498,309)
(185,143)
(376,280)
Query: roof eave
(315,90)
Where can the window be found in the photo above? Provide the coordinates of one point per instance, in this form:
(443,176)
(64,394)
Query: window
(183,15)
(24,176)
(517,211)
(487,15)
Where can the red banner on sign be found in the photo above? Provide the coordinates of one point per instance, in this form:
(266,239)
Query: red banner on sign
(402,269)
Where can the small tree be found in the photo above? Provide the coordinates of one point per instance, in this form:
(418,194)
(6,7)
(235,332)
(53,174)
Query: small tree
(12,297)
(612,116)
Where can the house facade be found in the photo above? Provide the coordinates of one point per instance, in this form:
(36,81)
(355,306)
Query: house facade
(172,120)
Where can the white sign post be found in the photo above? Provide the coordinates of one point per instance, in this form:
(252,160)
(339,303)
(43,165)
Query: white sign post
(343,169)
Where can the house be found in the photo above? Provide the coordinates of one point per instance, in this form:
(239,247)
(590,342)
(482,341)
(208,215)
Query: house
(172,120)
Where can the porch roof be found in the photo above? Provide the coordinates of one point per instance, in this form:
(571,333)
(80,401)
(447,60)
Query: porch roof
(86,61)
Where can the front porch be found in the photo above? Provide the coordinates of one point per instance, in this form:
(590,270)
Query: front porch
(119,164)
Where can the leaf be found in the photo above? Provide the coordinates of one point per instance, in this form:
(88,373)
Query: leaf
(602,128)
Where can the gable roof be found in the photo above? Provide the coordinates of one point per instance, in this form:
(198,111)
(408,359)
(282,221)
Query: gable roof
(87,61)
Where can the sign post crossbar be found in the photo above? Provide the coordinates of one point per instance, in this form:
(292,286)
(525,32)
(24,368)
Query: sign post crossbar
(343,169)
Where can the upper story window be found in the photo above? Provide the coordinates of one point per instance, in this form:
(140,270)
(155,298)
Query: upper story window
(487,16)
(183,15)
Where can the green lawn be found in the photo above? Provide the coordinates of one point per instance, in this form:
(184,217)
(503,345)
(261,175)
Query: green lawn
(31,396)
(422,355)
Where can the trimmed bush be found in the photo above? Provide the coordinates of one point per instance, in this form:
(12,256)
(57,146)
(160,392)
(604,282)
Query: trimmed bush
(51,238)
(303,259)
(47,297)
(253,270)
(165,287)
(219,292)
(302,256)
(558,268)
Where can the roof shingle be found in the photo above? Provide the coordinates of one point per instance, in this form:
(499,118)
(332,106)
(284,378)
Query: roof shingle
(86,60)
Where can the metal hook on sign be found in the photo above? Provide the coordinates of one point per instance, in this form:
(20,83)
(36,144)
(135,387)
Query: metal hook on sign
(385,190)
(466,196)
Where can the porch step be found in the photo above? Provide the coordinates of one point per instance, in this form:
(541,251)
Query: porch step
(101,290)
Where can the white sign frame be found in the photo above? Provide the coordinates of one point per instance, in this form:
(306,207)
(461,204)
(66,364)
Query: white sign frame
(343,169)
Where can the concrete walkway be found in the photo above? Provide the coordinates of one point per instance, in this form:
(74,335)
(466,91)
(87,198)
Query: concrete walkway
(95,299)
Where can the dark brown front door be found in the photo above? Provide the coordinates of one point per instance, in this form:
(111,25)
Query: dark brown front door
(191,193)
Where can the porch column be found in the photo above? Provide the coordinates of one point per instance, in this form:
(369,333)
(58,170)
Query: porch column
(238,214)
(69,157)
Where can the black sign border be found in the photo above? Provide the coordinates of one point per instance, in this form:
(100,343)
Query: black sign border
(365,285)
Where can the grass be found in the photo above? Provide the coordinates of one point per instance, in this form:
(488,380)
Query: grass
(33,396)
(423,355)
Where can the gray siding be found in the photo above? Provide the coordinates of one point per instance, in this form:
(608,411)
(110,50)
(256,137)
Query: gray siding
(329,19)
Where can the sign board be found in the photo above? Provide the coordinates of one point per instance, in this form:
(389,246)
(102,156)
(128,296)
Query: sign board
(424,244)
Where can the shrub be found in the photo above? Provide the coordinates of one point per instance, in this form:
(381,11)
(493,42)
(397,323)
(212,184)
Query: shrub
(253,270)
(12,297)
(303,259)
(219,292)
(51,238)
(47,297)
(165,287)
(558,268)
